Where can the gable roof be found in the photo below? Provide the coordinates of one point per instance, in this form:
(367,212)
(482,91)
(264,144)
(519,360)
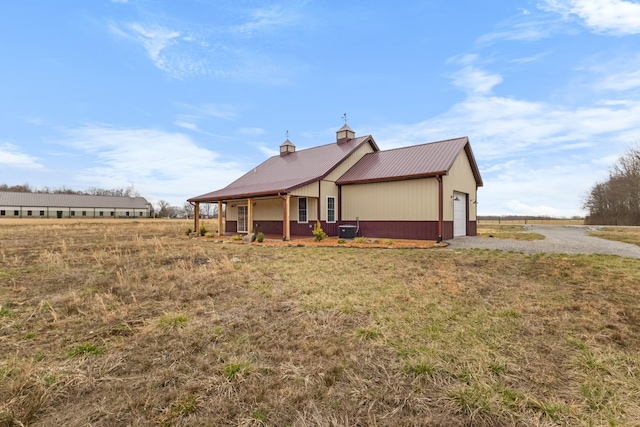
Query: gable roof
(8,198)
(282,174)
(417,161)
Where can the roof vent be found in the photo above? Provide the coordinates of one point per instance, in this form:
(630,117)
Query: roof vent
(344,134)
(286,148)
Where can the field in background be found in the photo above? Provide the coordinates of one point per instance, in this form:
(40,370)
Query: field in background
(540,221)
(124,322)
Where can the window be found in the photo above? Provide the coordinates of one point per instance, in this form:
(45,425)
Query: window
(331,209)
(73,213)
(41,213)
(127,213)
(84,213)
(139,213)
(29,213)
(302,209)
(112,213)
(16,213)
(101,213)
(3,213)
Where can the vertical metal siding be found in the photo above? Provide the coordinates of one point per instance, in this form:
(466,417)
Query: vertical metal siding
(460,179)
(409,200)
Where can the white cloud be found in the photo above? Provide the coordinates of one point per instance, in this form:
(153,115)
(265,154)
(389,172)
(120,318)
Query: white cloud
(186,125)
(529,31)
(10,156)
(615,17)
(162,165)
(268,151)
(120,1)
(265,19)
(475,80)
(167,49)
(249,131)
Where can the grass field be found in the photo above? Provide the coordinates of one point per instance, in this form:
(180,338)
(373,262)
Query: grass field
(132,323)
(620,234)
(516,232)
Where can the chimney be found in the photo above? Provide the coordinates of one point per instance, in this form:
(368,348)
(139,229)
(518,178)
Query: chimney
(286,148)
(344,134)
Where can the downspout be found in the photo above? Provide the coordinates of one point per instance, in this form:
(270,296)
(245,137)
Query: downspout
(440,208)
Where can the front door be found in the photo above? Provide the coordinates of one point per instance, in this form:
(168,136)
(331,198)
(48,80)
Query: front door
(243,219)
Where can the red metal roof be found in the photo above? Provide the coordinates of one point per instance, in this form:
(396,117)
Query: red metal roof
(435,158)
(281,174)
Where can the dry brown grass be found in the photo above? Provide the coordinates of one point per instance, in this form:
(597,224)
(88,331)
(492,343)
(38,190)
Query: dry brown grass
(132,323)
(620,234)
(515,232)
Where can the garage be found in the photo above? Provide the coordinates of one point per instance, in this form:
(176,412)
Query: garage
(459,214)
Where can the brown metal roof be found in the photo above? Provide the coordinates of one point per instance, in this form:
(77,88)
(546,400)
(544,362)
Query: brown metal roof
(435,158)
(282,174)
(8,198)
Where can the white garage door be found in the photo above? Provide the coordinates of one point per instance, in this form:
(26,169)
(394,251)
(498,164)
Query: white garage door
(459,214)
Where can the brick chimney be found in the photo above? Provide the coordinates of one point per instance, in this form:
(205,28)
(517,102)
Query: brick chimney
(344,134)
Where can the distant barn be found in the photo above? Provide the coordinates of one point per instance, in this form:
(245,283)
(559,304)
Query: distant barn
(48,205)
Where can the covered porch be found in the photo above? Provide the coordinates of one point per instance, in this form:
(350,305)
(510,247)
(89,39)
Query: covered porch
(280,215)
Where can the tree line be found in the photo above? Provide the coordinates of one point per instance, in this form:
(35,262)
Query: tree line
(616,200)
(93,191)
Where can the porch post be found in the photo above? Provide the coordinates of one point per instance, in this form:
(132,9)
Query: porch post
(249,215)
(220,232)
(286,225)
(196,218)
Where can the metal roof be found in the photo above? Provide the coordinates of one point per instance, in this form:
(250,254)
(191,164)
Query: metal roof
(282,174)
(8,198)
(435,158)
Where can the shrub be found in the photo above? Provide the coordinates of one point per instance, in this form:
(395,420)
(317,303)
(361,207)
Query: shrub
(359,240)
(260,237)
(187,232)
(203,230)
(209,234)
(341,241)
(237,237)
(318,232)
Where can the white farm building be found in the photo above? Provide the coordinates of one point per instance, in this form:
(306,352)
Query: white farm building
(48,205)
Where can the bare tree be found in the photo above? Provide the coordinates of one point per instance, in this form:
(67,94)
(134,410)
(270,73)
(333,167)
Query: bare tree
(188,209)
(616,201)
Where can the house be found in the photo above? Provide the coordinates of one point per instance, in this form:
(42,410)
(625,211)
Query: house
(426,191)
(52,205)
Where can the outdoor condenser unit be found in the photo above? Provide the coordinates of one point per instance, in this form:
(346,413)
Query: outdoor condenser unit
(347,231)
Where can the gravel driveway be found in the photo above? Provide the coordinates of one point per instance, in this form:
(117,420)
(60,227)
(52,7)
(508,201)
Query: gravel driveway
(558,239)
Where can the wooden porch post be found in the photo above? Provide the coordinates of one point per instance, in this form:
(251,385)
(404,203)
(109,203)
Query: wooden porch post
(249,215)
(196,218)
(220,231)
(285,220)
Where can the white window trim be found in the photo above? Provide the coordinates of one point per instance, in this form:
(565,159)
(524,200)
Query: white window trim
(306,200)
(335,210)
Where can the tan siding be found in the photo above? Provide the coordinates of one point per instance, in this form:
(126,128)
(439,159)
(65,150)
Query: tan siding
(328,189)
(460,179)
(349,162)
(409,200)
(310,190)
(268,210)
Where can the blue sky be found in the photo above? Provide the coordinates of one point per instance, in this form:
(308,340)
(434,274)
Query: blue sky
(181,98)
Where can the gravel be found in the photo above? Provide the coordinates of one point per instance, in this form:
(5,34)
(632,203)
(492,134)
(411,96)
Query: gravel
(558,239)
